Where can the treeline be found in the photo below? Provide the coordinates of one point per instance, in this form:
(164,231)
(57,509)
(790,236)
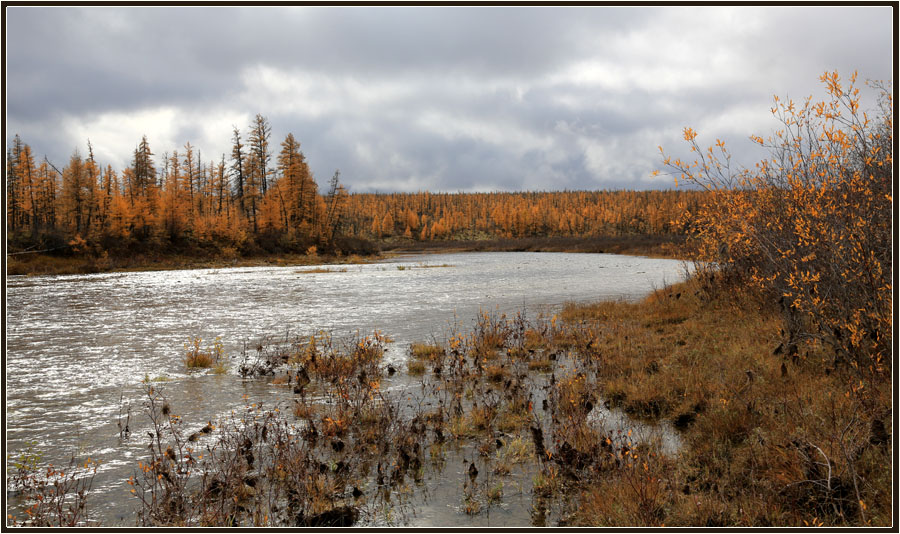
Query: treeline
(460,216)
(262,201)
(255,201)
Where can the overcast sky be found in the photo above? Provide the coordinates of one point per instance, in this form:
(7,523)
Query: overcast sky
(428,98)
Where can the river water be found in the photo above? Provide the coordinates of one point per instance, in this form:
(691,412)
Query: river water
(78,346)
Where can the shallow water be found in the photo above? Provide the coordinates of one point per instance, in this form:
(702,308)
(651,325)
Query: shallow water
(78,346)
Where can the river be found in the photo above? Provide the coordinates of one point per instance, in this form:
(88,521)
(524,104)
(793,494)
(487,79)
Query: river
(78,346)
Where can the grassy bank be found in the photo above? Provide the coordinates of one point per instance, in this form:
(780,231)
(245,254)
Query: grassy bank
(771,437)
(43,264)
(656,246)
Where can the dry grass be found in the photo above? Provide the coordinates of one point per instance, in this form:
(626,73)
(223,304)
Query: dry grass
(768,439)
(496,373)
(415,368)
(199,360)
(542,365)
(425,351)
(196,358)
(44,264)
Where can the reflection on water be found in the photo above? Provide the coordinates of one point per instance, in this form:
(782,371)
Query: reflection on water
(78,346)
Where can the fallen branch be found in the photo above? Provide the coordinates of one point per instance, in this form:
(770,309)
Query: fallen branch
(36,251)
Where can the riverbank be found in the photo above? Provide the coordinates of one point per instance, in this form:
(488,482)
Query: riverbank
(670,247)
(772,436)
(42,264)
(653,246)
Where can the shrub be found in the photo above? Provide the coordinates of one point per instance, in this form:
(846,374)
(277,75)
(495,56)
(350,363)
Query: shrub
(808,231)
(49,496)
(809,227)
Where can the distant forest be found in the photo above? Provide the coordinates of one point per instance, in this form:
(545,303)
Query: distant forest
(260,201)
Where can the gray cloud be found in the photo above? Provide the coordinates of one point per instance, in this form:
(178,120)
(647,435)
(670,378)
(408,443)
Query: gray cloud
(443,98)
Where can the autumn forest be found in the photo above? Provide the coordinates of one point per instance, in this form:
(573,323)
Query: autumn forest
(263,200)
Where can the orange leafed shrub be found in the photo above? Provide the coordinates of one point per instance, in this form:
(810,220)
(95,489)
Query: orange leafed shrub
(810,226)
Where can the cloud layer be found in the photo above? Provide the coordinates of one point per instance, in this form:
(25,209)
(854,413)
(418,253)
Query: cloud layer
(438,98)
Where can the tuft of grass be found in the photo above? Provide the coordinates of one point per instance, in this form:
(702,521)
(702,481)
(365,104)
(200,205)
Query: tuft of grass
(471,505)
(495,493)
(543,365)
(481,417)
(516,451)
(512,420)
(199,360)
(495,373)
(534,340)
(280,380)
(160,378)
(195,358)
(415,368)
(424,351)
(220,368)
(303,410)
(546,482)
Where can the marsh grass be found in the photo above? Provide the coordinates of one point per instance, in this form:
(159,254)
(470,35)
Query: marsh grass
(425,351)
(541,365)
(767,439)
(212,357)
(774,440)
(415,368)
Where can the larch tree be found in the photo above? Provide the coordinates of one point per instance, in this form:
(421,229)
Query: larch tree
(300,189)
(29,177)
(251,189)
(237,167)
(387,224)
(143,177)
(336,202)
(190,176)
(75,193)
(260,132)
(14,184)
(290,161)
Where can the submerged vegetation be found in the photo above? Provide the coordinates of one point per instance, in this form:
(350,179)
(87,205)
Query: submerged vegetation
(196,358)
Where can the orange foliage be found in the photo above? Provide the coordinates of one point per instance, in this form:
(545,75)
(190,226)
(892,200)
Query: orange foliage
(811,225)
(530,214)
(246,205)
